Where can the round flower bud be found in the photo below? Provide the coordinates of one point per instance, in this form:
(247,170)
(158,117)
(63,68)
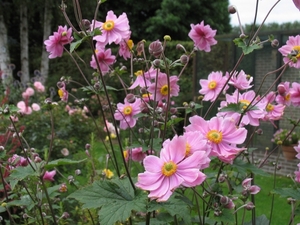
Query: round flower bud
(281,89)
(77,172)
(167,38)
(65,215)
(259,131)
(156,48)
(249,206)
(130,98)
(156,63)
(173,110)
(224,200)
(275,43)
(87,146)
(86,24)
(184,59)
(231,9)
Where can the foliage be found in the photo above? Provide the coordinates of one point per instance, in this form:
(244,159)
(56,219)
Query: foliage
(286,137)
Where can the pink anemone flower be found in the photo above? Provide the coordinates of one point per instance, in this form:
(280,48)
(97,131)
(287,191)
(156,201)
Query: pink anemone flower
(203,36)
(49,175)
(160,88)
(171,170)
(221,134)
(284,95)
(240,80)
(105,59)
(295,94)
(55,43)
(291,51)
(211,87)
(126,112)
(114,29)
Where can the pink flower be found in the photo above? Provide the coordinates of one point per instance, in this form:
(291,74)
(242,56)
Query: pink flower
(203,36)
(35,107)
(284,95)
(125,48)
(111,128)
(49,176)
(126,112)
(115,29)
(39,86)
(137,154)
(252,116)
(24,108)
(16,161)
(240,80)
(295,94)
(291,51)
(211,87)
(297,174)
(159,89)
(142,79)
(274,112)
(172,169)
(297,3)
(55,43)
(62,91)
(297,148)
(196,142)
(105,59)
(221,135)
(251,189)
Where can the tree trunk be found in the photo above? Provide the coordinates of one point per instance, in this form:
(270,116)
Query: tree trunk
(5,70)
(47,31)
(24,43)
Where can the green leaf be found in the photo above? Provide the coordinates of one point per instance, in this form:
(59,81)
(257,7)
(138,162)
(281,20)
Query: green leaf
(232,107)
(288,192)
(75,45)
(20,173)
(116,198)
(240,42)
(197,106)
(96,32)
(261,220)
(174,206)
(226,217)
(62,162)
(244,167)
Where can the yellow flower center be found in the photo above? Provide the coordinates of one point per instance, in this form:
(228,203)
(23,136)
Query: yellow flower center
(187,149)
(138,73)
(60,93)
(125,153)
(164,90)
(169,168)
(147,95)
(287,97)
(297,50)
(130,44)
(108,25)
(212,85)
(245,103)
(214,136)
(127,110)
(270,107)
(64,33)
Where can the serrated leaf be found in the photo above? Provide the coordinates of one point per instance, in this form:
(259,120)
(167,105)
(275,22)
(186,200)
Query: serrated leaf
(288,192)
(116,198)
(245,47)
(20,173)
(244,167)
(261,220)
(62,162)
(75,45)
(174,206)
(226,217)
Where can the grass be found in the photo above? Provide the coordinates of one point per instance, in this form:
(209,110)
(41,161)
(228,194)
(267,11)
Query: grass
(263,200)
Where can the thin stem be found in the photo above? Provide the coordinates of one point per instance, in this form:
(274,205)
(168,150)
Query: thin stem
(48,200)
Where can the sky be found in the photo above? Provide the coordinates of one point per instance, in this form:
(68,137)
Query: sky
(284,11)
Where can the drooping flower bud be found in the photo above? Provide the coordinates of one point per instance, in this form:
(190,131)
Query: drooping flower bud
(156,48)
(231,9)
(281,89)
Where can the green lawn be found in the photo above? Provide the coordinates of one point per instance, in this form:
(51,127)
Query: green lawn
(282,210)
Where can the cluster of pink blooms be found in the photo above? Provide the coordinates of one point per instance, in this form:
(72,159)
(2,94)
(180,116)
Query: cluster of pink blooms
(77,110)
(24,105)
